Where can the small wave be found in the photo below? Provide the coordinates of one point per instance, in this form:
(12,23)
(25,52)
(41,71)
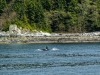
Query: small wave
(17,56)
(54,49)
(76,55)
(39,49)
(51,64)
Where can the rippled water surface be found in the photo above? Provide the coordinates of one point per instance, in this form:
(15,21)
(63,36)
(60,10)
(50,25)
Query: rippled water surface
(61,59)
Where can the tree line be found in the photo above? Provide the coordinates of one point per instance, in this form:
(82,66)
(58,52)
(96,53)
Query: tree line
(56,15)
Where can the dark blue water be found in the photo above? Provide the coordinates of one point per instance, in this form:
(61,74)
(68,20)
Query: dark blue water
(61,59)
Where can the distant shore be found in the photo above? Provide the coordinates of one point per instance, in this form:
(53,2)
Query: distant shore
(19,35)
(58,38)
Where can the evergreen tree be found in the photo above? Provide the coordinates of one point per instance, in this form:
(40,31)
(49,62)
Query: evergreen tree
(3,4)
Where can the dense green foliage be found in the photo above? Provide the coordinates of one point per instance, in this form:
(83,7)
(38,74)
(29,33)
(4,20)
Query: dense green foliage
(56,15)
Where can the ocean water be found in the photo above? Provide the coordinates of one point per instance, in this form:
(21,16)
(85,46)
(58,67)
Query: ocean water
(61,59)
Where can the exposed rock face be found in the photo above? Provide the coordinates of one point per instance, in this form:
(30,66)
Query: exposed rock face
(13,30)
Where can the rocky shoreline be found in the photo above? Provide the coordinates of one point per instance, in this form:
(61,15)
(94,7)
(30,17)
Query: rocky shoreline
(15,35)
(50,39)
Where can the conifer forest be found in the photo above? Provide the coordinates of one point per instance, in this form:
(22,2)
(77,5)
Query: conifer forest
(62,16)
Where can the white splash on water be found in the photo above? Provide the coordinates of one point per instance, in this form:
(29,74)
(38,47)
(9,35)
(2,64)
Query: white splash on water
(39,49)
(54,49)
